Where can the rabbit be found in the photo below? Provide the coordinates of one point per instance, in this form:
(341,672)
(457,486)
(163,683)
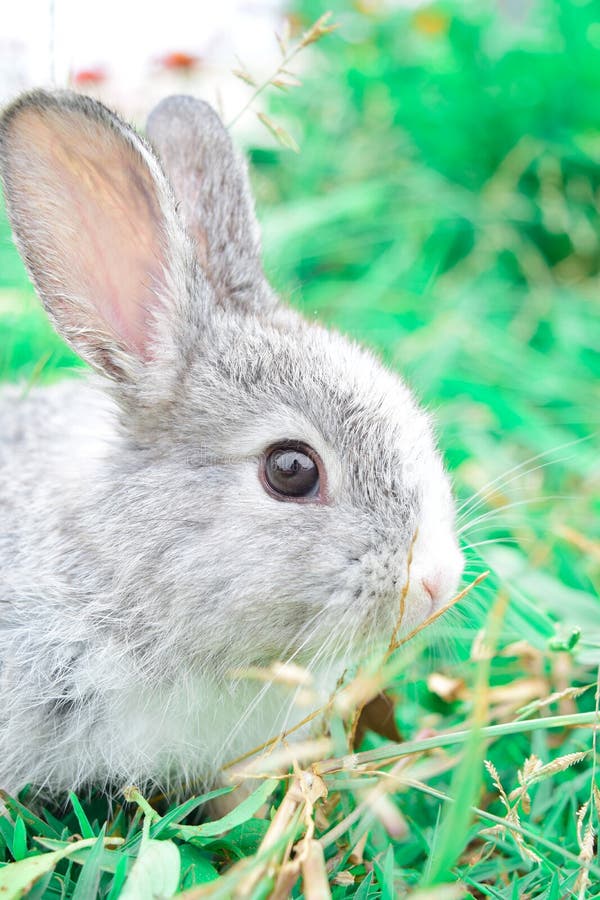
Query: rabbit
(228,485)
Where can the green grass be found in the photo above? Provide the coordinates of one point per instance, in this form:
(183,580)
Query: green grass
(444,209)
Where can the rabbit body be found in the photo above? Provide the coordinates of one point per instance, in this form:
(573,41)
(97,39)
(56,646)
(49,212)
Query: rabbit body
(94,683)
(143,564)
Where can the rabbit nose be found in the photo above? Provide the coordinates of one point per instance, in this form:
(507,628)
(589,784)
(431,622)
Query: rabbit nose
(436,586)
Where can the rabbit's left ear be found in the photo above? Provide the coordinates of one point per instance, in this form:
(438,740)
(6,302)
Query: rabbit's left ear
(211,185)
(96,224)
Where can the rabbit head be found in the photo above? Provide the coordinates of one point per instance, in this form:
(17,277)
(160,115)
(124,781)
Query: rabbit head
(270,487)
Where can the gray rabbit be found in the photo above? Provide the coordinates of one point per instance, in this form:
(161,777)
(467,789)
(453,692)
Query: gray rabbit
(233,485)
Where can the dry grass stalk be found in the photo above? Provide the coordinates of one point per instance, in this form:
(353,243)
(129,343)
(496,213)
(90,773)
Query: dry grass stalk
(357,855)
(282,78)
(535,771)
(344,878)
(272,742)
(586,834)
(443,610)
(371,803)
(396,643)
(288,674)
(297,805)
(304,752)
(392,781)
(286,879)
(531,656)
(284,821)
(317,884)
(581,541)
(272,860)
(585,839)
(376,801)
(403,595)
(314,874)
(570,693)
(392,645)
(352,699)
(511,696)
(445,687)
(532,772)
(356,691)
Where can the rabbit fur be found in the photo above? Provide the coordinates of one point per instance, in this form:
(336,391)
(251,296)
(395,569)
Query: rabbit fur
(141,560)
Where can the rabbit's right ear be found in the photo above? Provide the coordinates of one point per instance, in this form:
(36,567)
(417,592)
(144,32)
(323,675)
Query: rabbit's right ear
(212,189)
(96,223)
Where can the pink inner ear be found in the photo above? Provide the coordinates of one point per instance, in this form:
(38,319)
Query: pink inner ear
(94,211)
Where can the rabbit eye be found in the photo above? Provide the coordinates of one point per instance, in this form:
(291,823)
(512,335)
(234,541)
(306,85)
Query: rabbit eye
(291,471)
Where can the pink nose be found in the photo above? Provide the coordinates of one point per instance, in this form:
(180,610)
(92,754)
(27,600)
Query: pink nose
(435,585)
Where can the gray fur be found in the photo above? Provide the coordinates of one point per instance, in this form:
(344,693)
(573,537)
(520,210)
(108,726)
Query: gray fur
(141,559)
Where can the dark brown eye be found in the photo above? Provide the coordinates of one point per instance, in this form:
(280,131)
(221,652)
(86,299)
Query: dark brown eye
(291,471)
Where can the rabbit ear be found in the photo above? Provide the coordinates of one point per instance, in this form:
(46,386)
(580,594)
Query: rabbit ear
(95,222)
(213,193)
